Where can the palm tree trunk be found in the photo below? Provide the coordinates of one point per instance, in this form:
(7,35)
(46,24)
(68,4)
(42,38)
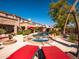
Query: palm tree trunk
(65,24)
(72,9)
(77,26)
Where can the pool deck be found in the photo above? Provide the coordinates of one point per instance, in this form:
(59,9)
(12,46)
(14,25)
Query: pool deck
(9,49)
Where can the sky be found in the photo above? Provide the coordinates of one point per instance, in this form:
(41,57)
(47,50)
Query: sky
(37,10)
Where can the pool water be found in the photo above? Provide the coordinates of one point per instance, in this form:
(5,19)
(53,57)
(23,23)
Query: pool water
(40,39)
(41,34)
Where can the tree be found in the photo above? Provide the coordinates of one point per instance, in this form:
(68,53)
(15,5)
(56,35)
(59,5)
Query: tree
(59,11)
(72,10)
(63,13)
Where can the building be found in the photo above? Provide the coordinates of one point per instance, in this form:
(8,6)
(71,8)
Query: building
(11,22)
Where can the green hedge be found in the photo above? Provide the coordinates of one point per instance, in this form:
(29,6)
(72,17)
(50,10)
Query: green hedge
(25,32)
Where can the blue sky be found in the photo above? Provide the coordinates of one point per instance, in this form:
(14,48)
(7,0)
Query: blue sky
(37,10)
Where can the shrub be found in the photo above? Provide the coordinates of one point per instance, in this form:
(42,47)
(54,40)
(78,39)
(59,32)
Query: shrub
(54,32)
(72,38)
(25,32)
(19,32)
(23,27)
(2,31)
(37,29)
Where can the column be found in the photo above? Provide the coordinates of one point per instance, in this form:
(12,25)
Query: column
(15,29)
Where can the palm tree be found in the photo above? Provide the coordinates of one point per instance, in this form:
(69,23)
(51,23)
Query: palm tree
(58,11)
(71,10)
(63,13)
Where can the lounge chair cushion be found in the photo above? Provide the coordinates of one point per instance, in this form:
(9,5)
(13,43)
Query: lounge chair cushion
(52,52)
(26,52)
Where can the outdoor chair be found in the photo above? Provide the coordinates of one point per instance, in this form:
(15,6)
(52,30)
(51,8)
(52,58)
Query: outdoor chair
(26,52)
(52,52)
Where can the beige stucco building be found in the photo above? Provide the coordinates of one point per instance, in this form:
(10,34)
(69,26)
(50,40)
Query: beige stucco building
(11,22)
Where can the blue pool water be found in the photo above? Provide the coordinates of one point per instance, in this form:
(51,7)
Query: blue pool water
(41,34)
(40,39)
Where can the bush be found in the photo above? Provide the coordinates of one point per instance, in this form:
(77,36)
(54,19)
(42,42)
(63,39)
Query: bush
(25,32)
(2,31)
(54,32)
(37,29)
(23,27)
(19,32)
(72,38)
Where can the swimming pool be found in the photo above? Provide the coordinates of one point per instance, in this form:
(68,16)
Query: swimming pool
(40,39)
(41,34)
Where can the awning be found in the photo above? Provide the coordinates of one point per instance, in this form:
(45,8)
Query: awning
(30,26)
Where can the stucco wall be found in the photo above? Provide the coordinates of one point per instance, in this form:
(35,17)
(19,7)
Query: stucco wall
(8,21)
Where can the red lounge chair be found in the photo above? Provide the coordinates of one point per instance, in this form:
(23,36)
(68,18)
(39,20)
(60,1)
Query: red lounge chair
(26,52)
(53,52)
(3,37)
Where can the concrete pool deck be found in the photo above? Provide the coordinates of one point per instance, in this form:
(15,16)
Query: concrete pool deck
(9,49)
